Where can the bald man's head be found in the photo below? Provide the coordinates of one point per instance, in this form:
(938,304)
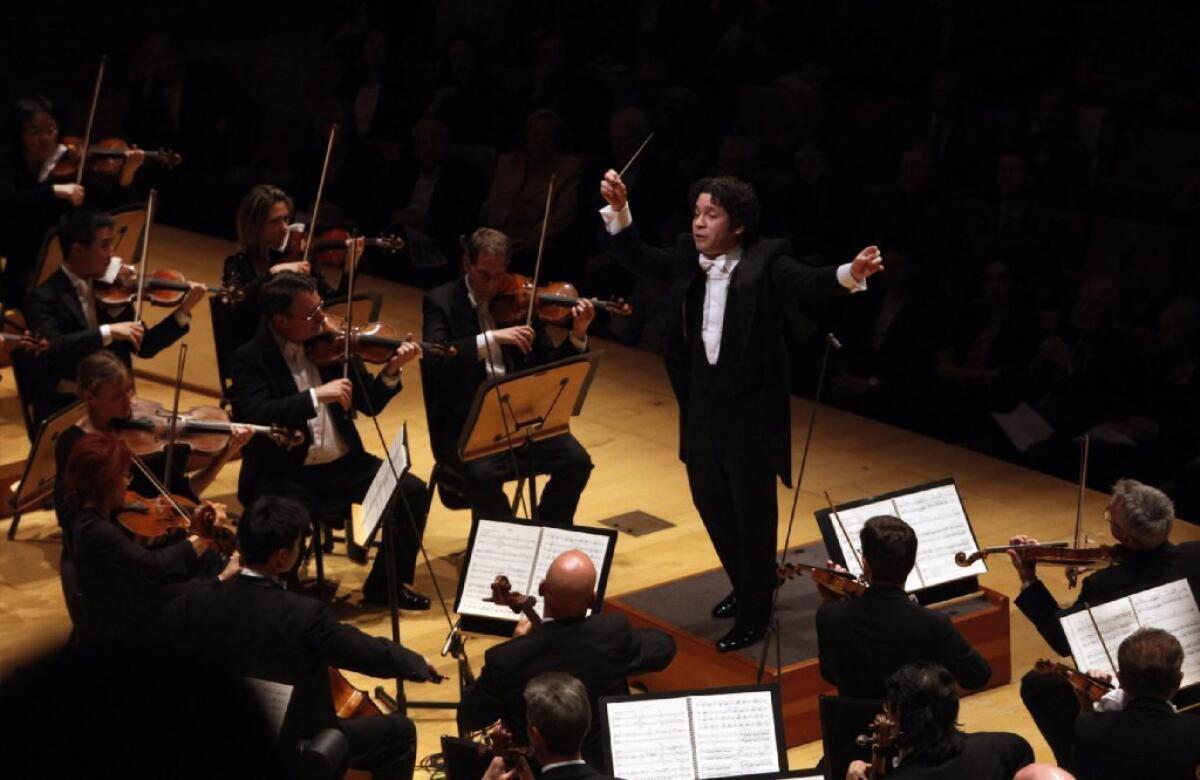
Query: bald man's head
(570,585)
(1043,772)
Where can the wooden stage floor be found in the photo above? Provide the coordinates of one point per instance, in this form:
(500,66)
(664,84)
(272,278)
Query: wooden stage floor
(630,429)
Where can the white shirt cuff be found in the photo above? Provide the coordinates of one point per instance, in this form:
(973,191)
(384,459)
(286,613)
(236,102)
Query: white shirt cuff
(390,382)
(312,393)
(182,319)
(616,221)
(106,335)
(847,280)
(481,344)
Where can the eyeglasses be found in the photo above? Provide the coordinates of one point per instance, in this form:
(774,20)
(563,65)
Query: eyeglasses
(316,315)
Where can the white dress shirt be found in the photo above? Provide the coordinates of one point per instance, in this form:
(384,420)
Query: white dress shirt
(87,302)
(716,290)
(327,444)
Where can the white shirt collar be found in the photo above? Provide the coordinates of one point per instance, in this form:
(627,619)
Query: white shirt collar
(73,277)
(726,262)
(548,767)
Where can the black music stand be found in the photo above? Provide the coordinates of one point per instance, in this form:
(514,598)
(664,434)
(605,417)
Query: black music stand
(512,412)
(37,482)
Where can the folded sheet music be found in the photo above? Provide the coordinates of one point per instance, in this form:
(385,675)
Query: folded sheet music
(721,733)
(523,552)
(1171,607)
(935,513)
(274,699)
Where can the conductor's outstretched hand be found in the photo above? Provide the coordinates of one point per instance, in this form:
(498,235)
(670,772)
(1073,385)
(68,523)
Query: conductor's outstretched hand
(867,262)
(612,189)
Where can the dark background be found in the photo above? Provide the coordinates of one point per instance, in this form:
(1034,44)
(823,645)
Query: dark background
(1029,168)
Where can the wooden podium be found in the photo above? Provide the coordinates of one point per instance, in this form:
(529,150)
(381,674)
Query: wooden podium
(680,608)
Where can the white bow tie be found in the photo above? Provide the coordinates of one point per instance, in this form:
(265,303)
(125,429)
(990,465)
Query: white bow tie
(712,267)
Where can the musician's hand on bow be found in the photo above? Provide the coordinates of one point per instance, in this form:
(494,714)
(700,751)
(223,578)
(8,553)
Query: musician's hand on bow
(866,263)
(612,189)
(296,267)
(1026,570)
(582,315)
(232,568)
(128,331)
(519,336)
(339,391)
(858,770)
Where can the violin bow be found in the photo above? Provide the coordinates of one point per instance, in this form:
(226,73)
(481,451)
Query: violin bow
(1100,637)
(316,209)
(1072,572)
(87,132)
(160,487)
(537,267)
(141,287)
(174,425)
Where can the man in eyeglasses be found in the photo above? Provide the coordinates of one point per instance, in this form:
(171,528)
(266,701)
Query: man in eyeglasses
(275,383)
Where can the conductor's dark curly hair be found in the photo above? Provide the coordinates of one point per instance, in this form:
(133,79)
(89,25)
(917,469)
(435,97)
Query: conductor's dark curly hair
(737,197)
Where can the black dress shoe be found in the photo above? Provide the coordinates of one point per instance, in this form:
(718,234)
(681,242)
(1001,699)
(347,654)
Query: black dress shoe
(407,598)
(739,637)
(726,607)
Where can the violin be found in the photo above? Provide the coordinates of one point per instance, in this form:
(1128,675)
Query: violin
(964,560)
(1089,686)
(162,288)
(106,157)
(158,520)
(843,583)
(329,247)
(205,429)
(519,603)
(374,342)
(554,302)
(1055,554)
(881,734)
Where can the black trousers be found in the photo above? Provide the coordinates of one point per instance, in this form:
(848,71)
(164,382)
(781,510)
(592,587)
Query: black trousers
(733,487)
(1052,704)
(563,458)
(386,745)
(329,489)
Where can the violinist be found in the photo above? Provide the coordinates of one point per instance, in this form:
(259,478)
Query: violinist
(860,641)
(275,382)
(122,584)
(923,704)
(257,629)
(1140,518)
(462,314)
(1147,731)
(600,649)
(65,311)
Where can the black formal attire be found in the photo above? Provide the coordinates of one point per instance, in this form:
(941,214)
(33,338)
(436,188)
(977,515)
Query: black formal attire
(123,584)
(1049,699)
(266,393)
(258,629)
(601,651)
(1145,738)
(862,641)
(986,755)
(28,208)
(450,383)
(572,772)
(53,310)
(734,416)
(450,198)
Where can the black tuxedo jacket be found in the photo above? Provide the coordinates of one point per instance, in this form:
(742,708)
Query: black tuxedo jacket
(266,394)
(1136,571)
(765,282)
(1146,738)
(450,382)
(987,755)
(258,629)
(573,772)
(861,641)
(600,650)
(52,310)
(454,206)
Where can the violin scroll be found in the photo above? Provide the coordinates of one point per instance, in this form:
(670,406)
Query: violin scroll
(519,603)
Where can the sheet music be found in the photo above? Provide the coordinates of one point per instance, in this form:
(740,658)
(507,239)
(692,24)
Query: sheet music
(651,739)
(556,541)
(936,515)
(1171,607)
(273,697)
(500,548)
(379,494)
(734,734)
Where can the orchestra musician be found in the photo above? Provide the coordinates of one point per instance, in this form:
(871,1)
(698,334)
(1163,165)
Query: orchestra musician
(600,649)
(275,382)
(461,314)
(258,629)
(923,703)
(122,584)
(861,641)
(1147,731)
(1140,518)
(728,366)
(65,311)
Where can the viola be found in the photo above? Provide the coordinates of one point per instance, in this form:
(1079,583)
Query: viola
(553,305)
(106,157)
(329,247)
(964,560)
(158,520)
(519,603)
(882,733)
(374,342)
(843,583)
(12,342)
(204,429)
(1055,554)
(162,288)
(1085,684)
